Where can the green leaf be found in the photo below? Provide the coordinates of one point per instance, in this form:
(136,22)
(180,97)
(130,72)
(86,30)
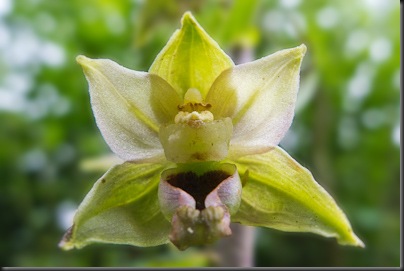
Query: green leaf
(121,208)
(129,107)
(283,195)
(191,58)
(238,27)
(260,98)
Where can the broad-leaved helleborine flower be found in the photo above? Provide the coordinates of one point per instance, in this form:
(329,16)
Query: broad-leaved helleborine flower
(199,136)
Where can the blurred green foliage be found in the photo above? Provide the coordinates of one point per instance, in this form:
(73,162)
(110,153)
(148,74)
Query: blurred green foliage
(346,130)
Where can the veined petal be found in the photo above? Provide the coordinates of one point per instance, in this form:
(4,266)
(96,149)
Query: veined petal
(129,107)
(191,58)
(121,208)
(260,97)
(283,195)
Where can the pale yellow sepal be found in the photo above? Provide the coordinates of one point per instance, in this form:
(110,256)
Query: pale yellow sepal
(121,208)
(282,194)
(129,107)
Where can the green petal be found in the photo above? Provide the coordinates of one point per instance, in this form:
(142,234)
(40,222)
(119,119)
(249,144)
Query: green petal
(121,208)
(260,97)
(191,59)
(129,107)
(283,195)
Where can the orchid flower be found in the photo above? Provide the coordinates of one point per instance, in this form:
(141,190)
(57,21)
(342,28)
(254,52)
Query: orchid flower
(199,138)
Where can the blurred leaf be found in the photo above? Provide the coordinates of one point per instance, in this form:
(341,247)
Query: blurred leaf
(237,27)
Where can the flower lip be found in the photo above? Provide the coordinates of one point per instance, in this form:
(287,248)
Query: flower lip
(198,186)
(216,185)
(198,200)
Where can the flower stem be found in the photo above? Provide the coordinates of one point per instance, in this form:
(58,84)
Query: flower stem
(237,250)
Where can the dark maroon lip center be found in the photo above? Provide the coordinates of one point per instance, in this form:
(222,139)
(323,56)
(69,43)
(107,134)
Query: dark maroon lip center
(198,187)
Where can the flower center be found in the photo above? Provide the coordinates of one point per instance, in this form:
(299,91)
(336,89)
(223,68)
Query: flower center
(193,111)
(195,135)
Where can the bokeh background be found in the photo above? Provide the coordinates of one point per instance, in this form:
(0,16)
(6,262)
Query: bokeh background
(346,129)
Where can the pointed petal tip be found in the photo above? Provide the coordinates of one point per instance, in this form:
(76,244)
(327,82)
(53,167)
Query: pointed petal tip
(353,241)
(84,61)
(81,59)
(296,53)
(187,16)
(359,243)
(188,19)
(299,51)
(66,243)
(303,49)
(64,246)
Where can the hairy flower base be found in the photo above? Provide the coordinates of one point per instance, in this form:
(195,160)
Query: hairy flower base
(192,227)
